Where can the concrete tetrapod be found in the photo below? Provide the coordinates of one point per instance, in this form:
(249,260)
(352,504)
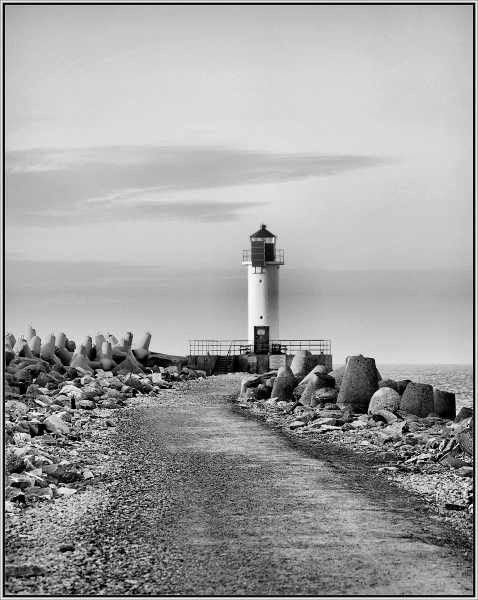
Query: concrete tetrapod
(444,404)
(338,375)
(308,395)
(284,384)
(30,333)
(48,347)
(21,348)
(301,364)
(317,370)
(359,384)
(141,349)
(106,360)
(417,399)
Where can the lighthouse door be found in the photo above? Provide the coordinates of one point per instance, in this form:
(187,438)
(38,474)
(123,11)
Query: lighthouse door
(261,339)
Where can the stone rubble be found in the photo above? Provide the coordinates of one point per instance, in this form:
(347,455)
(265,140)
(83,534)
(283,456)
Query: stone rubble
(421,445)
(51,410)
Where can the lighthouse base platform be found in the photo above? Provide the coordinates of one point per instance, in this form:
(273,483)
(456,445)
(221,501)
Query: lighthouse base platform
(217,357)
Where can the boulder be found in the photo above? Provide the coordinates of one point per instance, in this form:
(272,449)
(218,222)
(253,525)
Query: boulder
(55,424)
(385,398)
(284,384)
(444,404)
(359,384)
(301,364)
(417,399)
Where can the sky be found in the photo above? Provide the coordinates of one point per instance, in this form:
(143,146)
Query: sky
(144,144)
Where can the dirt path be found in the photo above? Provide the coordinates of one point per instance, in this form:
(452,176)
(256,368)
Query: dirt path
(262,518)
(207,502)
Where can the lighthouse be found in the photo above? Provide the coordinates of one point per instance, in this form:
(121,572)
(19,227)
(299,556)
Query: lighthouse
(263,261)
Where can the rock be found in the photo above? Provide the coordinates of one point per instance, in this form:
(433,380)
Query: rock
(396,429)
(359,384)
(385,398)
(38,492)
(42,379)
(331,406)
(16,408)
(69,473)
(402,385)
(72,392)
(465,413)
(359,424)
(32,429)
(389,383)
(465,472)
(387,416)
(324,421)
(91,391)
(24,375)
(14,494)
(133,382)
(465,439)
(417,399)
(296,424)
(263,391)
(444,404)
(453,462)
(326,395)
(301,364)
(23,570)
(284,384)
(86,404)
(56,425)
(21,427)
(252,394)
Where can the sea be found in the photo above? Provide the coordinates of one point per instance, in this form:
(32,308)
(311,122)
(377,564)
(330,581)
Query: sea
(458,379)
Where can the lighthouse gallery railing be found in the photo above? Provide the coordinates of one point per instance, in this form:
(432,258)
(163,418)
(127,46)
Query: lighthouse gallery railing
(237,347)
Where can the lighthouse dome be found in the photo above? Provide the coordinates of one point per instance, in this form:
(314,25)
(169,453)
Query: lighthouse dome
(263,235)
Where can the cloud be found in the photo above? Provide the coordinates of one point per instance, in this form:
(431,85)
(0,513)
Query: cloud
(45,186)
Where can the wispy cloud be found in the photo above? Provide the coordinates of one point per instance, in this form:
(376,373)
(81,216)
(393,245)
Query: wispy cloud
(47,185)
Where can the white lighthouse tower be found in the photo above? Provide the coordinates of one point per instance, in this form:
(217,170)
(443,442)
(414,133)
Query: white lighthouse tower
(263,261)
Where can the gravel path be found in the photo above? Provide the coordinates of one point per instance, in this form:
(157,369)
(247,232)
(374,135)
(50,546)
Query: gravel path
(199,500)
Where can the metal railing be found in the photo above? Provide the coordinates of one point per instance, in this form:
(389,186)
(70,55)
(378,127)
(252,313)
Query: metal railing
(237,347)
(279,256)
